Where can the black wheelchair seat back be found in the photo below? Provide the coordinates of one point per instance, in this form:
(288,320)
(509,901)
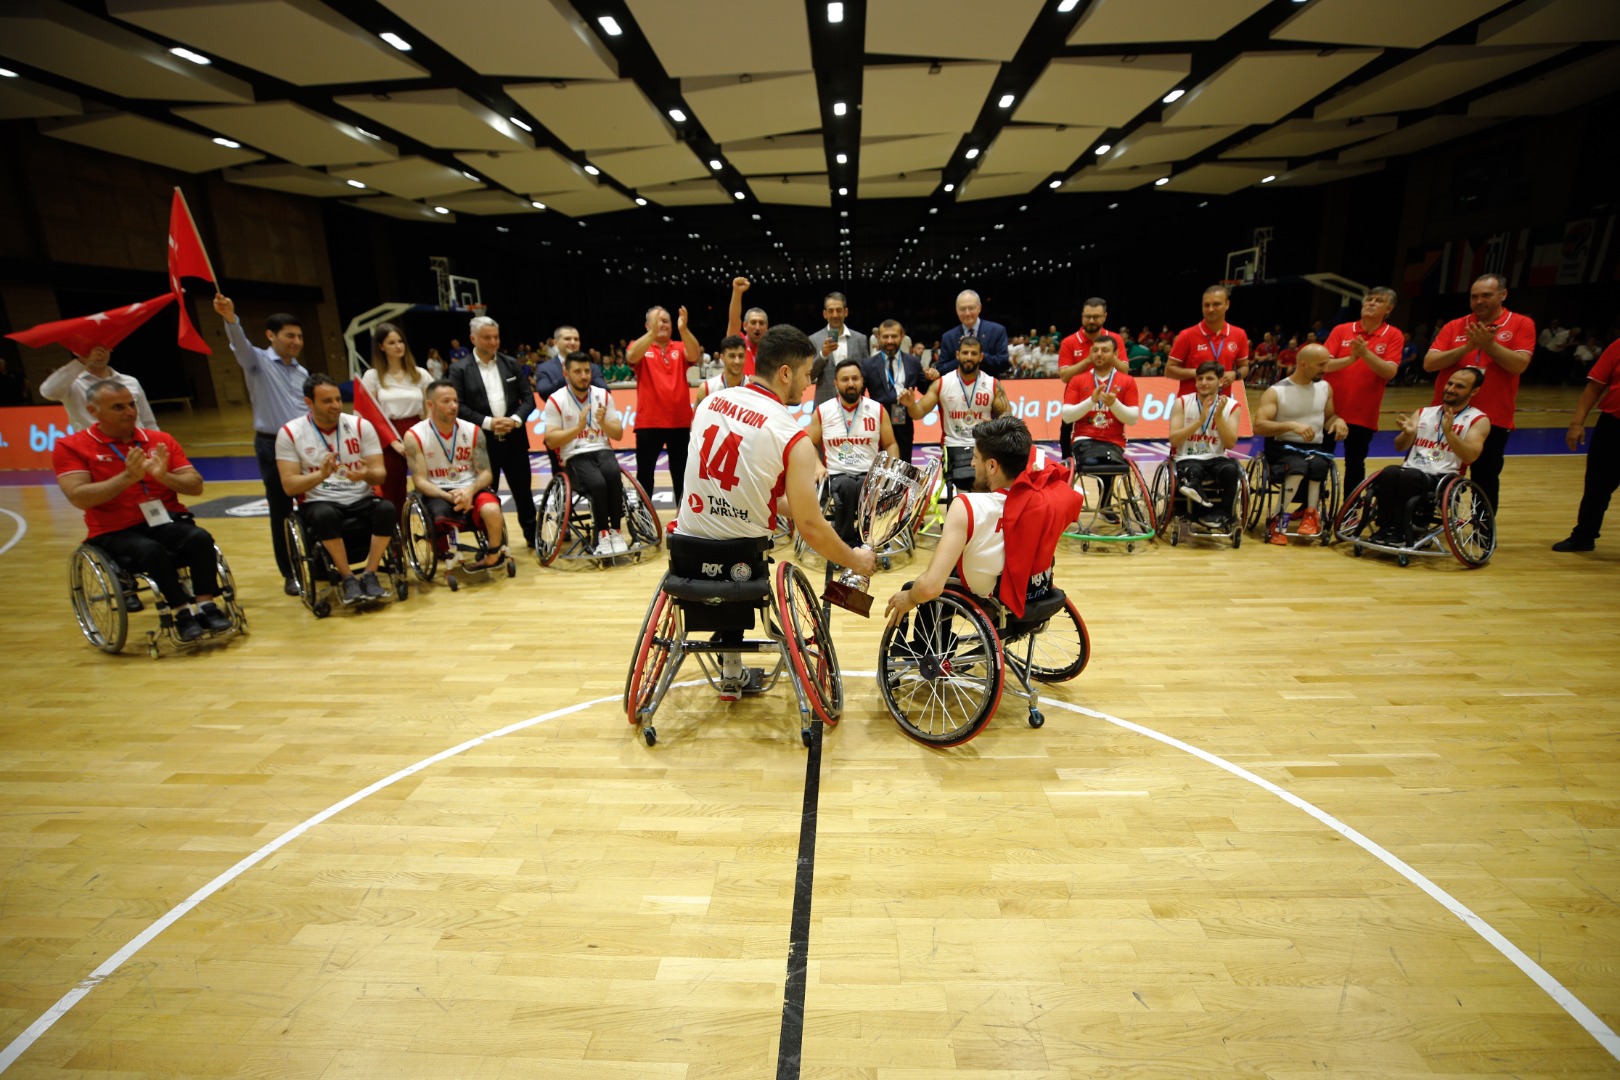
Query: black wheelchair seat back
(719,582)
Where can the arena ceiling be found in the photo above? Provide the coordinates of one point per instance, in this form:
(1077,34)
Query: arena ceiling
(789,139)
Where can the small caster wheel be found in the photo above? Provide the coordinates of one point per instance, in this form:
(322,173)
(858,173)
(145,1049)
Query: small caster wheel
(1402,558)
(883,563)
(1130,549)
(402,589)
(806,737)
(511,568)
(1237,540)
(1356,551)
(152,651)
(1085,546)
(450,580)
(322,609)
(1035,718)
(650,734)
(1175,536)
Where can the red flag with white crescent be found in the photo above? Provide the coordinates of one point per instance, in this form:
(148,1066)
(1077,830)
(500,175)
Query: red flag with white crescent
(186,259)
(104,328)
(365,405)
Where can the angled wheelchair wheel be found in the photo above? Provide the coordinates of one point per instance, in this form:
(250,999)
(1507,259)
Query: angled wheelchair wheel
(394,564)
(1359,512)
(551,524)
(1470,523)
(660,638)
(1062,648)
(421,546)
(640,515)
(630,672)
(227,591)
(1138,517)
(809,643)
(1332,499)
(303,561)
(1163,495)
(1240,507)
(940,671)
(98,598)
(801,550)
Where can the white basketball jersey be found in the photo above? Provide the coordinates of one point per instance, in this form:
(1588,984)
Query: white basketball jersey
(849,438)
(963,405)
(1298,404)
(449,461)
(1430,452)
(562,411)
(736,464)
(716,383)
(353,440)
(1205,442)
(983,556)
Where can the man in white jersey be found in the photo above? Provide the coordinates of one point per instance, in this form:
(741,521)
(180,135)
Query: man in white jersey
(966,397)
(747,451)
(330,461)
(733,351)
(1293,416)
(580,419)
(1203,430)
(450,467)
(848,431)
(1440,442)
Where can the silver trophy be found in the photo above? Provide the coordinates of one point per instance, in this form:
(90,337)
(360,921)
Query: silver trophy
(892,498)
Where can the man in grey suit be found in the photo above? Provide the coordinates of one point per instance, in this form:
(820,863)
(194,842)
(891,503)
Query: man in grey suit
(834,343)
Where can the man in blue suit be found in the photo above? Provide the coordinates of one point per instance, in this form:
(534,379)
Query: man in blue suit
(549,377)
(889,372)
(992,338)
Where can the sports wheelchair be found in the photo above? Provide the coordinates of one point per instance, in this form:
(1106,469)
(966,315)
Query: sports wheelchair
(1266,491)
(1174,516)
(942,667)
(719,589)
(564,528)
(431,541)
(1466,529)
(101,587)
(901,547)
(1129,516)
(317,576)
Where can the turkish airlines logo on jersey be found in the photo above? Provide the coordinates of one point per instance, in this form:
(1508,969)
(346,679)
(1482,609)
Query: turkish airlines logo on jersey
(695,501)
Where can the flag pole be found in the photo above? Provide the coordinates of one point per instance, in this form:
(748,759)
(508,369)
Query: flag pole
(200,246)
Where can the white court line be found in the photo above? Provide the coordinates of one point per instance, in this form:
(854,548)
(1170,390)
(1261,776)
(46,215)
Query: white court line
(22,529)
(1539,975)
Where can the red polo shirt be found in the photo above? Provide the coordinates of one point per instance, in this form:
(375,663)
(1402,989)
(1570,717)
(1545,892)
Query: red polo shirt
(1100,424)
(1606,372)
(1358,390)
(1076,347)
(663,399)
(749,349)
(1194,345)
(90,451)
(1497,397)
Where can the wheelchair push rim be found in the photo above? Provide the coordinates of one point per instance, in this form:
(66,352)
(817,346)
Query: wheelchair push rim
(1470,523)
(98,599)
(809,644)
(944,690)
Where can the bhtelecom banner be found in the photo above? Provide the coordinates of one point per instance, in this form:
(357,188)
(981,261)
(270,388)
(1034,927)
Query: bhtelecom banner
(1038,401)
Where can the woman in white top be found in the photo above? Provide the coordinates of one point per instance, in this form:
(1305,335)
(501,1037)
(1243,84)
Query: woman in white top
(396,384)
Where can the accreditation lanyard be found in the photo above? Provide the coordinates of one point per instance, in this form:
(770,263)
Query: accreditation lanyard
(848,416)
(967,395)
(447,449)
(1209,421)
(1214,349)
(588,430)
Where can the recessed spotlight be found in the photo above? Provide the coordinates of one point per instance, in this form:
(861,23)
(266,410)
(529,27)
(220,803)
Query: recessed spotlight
(396,41)
(611,25)
(950,188)
(640,201)
(714,163)
(842,159)
(1203,204)
(1161,181)
(469,176)
(843,191)
(592,170)
(1068,6)
(738,195)
(355,184)
(835,12)
(187,54)
(518,123)
(7,73)
(677,116)
(839,108)
(1103,149)
(1268,179)
(228,144)
(368,134)
(972,153)
(537,204)
(440,210)
(933,209)
(1007,100)
(1055,184)
(502,228)
(1113,206)
(756,218)
(1174,95)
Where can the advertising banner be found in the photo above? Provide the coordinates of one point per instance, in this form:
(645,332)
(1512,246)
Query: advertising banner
(28,434)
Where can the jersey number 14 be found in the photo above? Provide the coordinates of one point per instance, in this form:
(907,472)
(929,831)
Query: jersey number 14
(719,463)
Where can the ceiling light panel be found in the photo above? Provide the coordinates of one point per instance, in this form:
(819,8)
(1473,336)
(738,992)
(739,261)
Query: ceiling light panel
(1126,22)
(292,131)
(653,165)
(404,209)
(777,154)
(487,202)
(1304,138)
(1101,91)
(1399,24)
(731,109)
(411,178)
(905,99)
(1224,177)
(688,193)
(583,203)
(1325,172)
(1153,144)
(1037,149)
(55,37)
(1264,87)
(1557,91)
(23,99)
(533,172)
(1546,22)
(1442,72)
(147,140)
(596,115)
(885,157)
(1419,136)
(726,37)
(792,190)
(303,42)
(980,186)
(444,119)
(528,38)
(917,184)
(292,179)
(1090,180)
(949,29)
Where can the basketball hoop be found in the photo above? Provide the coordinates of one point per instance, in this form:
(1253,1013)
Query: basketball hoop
(1231,283)
(475,310)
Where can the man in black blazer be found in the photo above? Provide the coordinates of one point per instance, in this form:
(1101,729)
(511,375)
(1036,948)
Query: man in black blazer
(488,372)
(992,337)
(832,342)
(888,373)
(548,374)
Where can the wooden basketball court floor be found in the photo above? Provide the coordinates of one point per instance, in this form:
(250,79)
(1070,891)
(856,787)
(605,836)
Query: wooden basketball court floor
(1305,815)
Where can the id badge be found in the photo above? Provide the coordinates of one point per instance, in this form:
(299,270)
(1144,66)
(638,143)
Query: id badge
(155,512)
(898,414)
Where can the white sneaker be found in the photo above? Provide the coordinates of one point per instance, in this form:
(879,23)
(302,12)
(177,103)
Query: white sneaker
(604,543)
(619,546)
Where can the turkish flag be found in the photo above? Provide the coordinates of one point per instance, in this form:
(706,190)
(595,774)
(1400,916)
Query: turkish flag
(365,405)
(186,259)
(105,328)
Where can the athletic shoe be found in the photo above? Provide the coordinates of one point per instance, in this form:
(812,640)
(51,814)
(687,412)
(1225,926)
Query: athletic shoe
(604,543)
(349,591)
(1276,534)
(213,619)
(1573,544)
(371,588)
(132,602)
(1194,495)
(290,586)
(1310,524)
(186,626)
(621,546)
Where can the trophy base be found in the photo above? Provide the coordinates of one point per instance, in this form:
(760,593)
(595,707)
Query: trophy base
(849,598)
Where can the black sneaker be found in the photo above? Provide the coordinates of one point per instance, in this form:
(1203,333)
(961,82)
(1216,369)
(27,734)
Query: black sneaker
(213,619)
(290,586)
(371,588)
(349,591)
(1573,544)
(186,626)
(132,602)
